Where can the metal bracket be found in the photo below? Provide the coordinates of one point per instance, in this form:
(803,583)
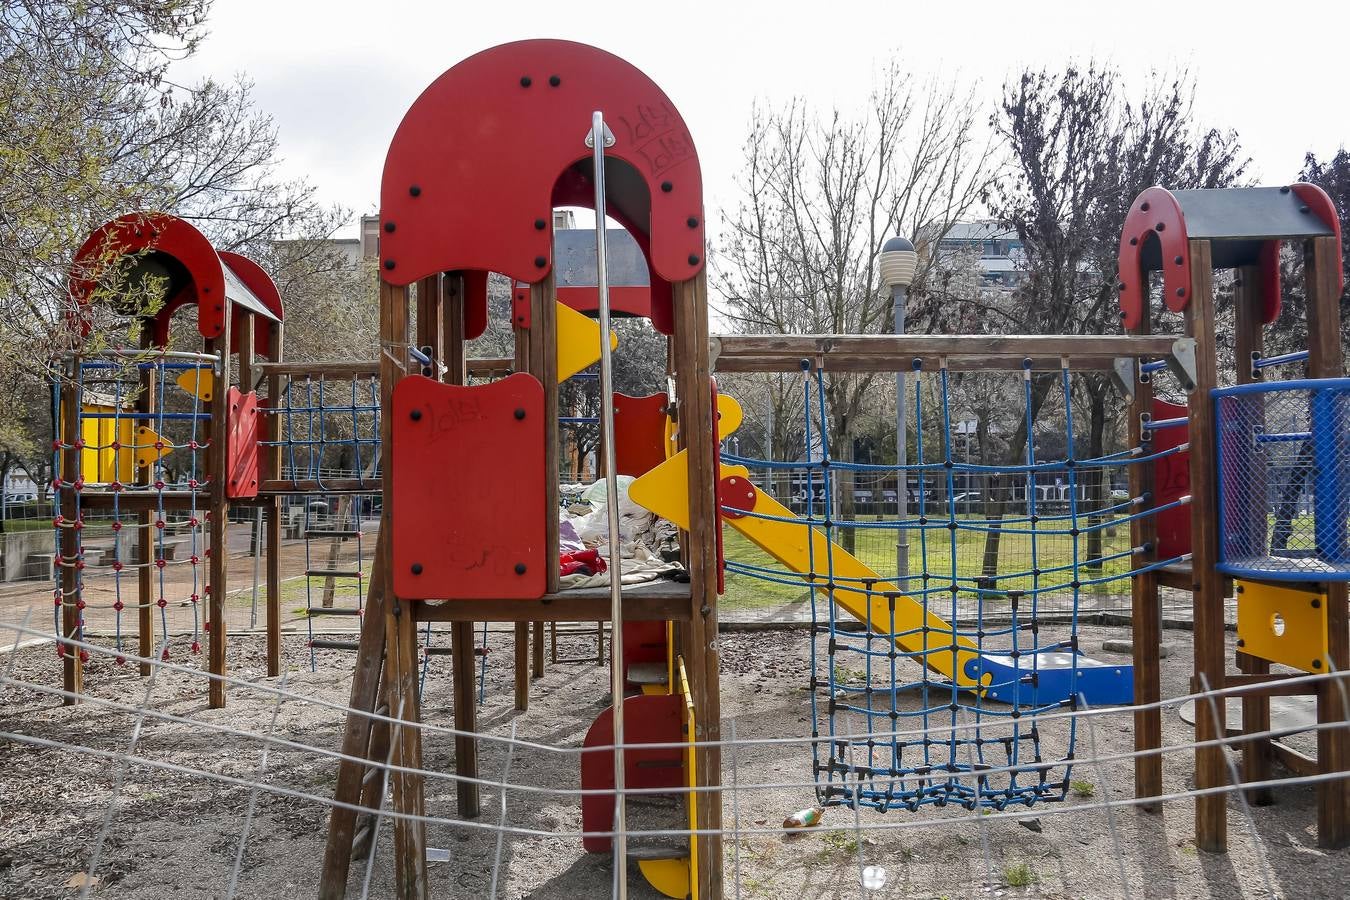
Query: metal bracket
(1181,362)
(1124,372)
(520,307)
(609,138)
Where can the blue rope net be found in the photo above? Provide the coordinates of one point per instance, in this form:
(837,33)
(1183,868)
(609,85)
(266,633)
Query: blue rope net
(1284,479)
(126,452)
(891,731)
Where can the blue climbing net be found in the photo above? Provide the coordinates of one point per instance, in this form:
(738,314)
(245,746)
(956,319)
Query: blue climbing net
(891,731)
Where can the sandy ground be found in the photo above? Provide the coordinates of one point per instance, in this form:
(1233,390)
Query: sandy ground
(177,834)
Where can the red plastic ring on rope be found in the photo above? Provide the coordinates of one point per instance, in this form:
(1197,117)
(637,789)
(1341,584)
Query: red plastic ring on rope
(119,606)
(161,603)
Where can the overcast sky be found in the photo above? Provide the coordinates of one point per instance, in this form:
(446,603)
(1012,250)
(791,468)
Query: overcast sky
(337,76)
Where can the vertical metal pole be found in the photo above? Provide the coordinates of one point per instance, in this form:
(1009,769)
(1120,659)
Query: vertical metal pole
(899,295)
(597,141)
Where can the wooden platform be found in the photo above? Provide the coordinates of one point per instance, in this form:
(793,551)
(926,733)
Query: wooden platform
(654,601)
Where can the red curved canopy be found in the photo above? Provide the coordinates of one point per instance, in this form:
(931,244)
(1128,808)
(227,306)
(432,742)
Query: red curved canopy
(175,249)
(469,181)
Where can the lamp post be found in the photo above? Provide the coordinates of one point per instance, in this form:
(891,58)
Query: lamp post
(897,263)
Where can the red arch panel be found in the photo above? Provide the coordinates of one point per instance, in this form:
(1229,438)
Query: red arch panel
(468,181)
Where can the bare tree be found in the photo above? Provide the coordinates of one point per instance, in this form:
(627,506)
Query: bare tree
(821,194)
(1082,149)
(90,128)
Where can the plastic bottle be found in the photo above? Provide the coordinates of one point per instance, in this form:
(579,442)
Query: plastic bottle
(803,818)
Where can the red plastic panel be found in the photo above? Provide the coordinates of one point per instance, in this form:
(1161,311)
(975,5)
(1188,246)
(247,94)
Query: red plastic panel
(643,642)
(634,301)
(468,489)
(468,181)
(1321,206)
(639,433)
(1269,265)
(260,283)
(155,232)
(241,448)
(1154,212)
(1171,481)
(735,493)
(647,719)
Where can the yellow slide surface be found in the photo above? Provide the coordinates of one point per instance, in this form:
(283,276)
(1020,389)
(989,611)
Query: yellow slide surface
(804,549)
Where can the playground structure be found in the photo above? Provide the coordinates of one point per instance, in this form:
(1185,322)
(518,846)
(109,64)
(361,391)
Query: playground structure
(454,209)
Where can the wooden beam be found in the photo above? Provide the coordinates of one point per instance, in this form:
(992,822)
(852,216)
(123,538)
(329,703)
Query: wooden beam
(665,600)
(467,795)
(1257,752)
(272,515)
(537,648)
(68,577)
(320,486)
(1004,363)
(893,349)
(356,733)
(486,367)
(693,388)
(1322,268)
(219,511)
(146,402)
(1145,611)
(336,369)
(1211,818)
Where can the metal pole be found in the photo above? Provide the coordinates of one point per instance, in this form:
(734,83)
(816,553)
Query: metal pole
(899,295)
(598,140)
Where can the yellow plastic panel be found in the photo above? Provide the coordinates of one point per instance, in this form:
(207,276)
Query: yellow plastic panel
(1282,624)
(197,382)
(669,876)
(578,341)
(146,452)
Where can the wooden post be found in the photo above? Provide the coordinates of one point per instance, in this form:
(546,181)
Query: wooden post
(1211,821)
(356,736)
(146,402)
(270,464)
(68,576)
(219,508)
(1321,271)
(694,397)
(538,649)
(544,366)
(525,346)
(467,795)
(400,629)
(1146,614)
(1257,753)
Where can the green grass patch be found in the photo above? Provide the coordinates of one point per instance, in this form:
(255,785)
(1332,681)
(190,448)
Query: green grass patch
(1018,875)
(1082,788)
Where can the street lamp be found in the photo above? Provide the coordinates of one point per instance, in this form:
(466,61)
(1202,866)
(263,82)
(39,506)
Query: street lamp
(898,261)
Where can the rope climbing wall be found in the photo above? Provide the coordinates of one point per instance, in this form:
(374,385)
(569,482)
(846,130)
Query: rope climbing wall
(897,720)
(130,530)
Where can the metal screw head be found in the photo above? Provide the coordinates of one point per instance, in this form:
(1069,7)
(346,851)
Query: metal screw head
(1317,603)
(1134,242)
(1178,259)
(415,191)
(554,81)
(415,415)
(1241,642)
(520,568)
(388,263)
(1317,664)
(1181,292)
(693,259)
(692,221)
(1303,209)
(526,81)
(539,224)
(389,227)
(1284,189)
(520,413)
(417,568)
(667,187)
(1160,226)
(1120,286)
(540,262)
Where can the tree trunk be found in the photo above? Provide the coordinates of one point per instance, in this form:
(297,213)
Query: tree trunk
(1016,454)
(1094,479)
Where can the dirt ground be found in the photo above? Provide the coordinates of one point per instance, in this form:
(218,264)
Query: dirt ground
(176,834)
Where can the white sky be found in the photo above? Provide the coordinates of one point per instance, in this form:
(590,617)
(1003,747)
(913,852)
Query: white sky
(337,76)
